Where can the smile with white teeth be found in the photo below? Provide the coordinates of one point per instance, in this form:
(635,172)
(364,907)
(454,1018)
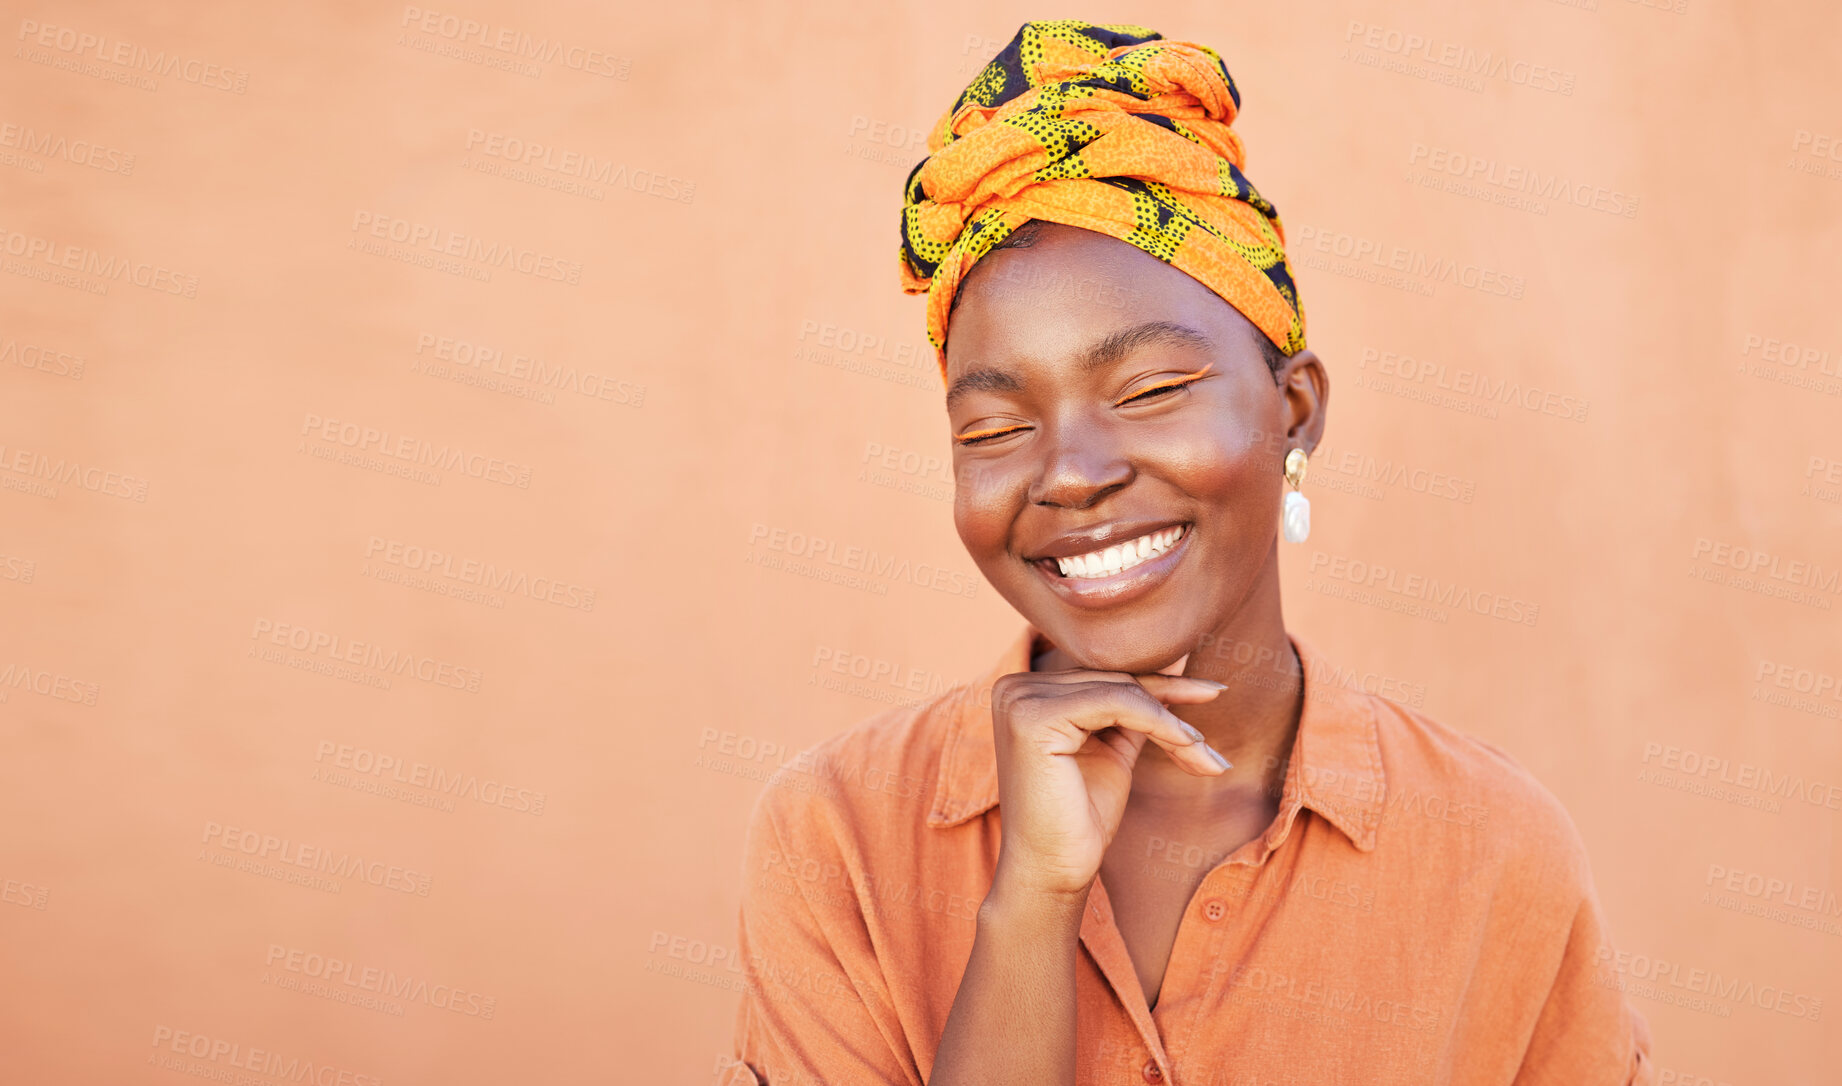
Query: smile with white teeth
(1122,556)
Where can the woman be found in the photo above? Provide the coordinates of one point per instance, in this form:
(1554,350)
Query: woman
(1154,842)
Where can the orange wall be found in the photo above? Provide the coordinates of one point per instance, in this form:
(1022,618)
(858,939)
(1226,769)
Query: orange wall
(217,372)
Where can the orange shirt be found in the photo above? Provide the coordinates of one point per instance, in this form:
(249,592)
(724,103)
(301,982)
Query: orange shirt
(1420,911)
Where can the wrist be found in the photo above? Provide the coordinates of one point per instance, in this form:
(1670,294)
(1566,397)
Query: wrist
(1015,896)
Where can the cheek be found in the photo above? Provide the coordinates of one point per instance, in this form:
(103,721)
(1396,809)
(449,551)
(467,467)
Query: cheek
(982,509)
(1230,473)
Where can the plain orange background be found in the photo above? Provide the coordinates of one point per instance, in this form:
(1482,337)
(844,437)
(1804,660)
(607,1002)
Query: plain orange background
(642,321)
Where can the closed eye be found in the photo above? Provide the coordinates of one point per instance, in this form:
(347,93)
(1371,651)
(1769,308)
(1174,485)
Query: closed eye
(1168,386)
(978,436)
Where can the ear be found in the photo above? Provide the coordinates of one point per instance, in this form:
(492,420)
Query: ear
(1307,391)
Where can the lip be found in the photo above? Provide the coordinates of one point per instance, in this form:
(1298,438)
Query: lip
(1121,587)
(1099,538)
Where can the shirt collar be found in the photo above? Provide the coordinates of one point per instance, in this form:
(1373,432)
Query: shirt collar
(1336,767)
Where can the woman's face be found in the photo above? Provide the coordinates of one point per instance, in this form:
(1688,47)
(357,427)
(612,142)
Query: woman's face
(1047,354)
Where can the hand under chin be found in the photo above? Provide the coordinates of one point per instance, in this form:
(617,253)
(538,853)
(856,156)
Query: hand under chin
(1055,660)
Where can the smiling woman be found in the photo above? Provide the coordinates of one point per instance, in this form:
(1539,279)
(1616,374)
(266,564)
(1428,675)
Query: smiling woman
(1154,840)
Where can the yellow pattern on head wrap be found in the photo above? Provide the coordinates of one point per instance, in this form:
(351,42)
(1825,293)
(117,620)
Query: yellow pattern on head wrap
(1109,128)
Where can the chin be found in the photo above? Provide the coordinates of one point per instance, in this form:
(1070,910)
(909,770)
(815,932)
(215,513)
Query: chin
(1138,647)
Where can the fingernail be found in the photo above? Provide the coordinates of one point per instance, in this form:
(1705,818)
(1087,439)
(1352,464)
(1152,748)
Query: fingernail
(1210,682)
(1190,730)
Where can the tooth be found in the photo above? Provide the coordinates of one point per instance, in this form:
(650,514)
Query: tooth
(1111,559)
(1144,546)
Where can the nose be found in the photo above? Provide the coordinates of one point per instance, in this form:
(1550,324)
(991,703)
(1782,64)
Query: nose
(1079,468)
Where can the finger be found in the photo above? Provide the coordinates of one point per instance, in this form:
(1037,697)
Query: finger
(1176,689)
(1180,689)
(1130,707)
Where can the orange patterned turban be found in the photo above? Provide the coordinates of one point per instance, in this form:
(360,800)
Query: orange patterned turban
(1109,128)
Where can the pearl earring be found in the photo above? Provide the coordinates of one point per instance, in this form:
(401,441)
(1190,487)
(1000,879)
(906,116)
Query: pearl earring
(1297,508)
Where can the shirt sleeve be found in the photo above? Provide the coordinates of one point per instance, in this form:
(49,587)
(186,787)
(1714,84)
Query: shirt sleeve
(816,1009)
(1587,1031)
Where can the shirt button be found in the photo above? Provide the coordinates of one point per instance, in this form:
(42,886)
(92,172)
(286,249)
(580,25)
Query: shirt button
(1153,1073)
(1214,910)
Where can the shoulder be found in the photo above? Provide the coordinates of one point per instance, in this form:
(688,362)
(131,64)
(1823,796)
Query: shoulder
(1473,795)
(880,771)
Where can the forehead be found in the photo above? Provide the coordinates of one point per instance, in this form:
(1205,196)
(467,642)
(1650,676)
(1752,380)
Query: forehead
(1050,302)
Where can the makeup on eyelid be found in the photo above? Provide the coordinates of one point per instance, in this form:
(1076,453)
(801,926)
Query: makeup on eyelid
(1175,382)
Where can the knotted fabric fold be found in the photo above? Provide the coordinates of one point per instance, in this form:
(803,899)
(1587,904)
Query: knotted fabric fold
(1113,129)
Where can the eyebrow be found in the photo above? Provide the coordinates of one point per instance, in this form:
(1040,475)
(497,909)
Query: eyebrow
(1108,350)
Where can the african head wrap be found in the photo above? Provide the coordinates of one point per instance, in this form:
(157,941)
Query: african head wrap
(1109,128)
